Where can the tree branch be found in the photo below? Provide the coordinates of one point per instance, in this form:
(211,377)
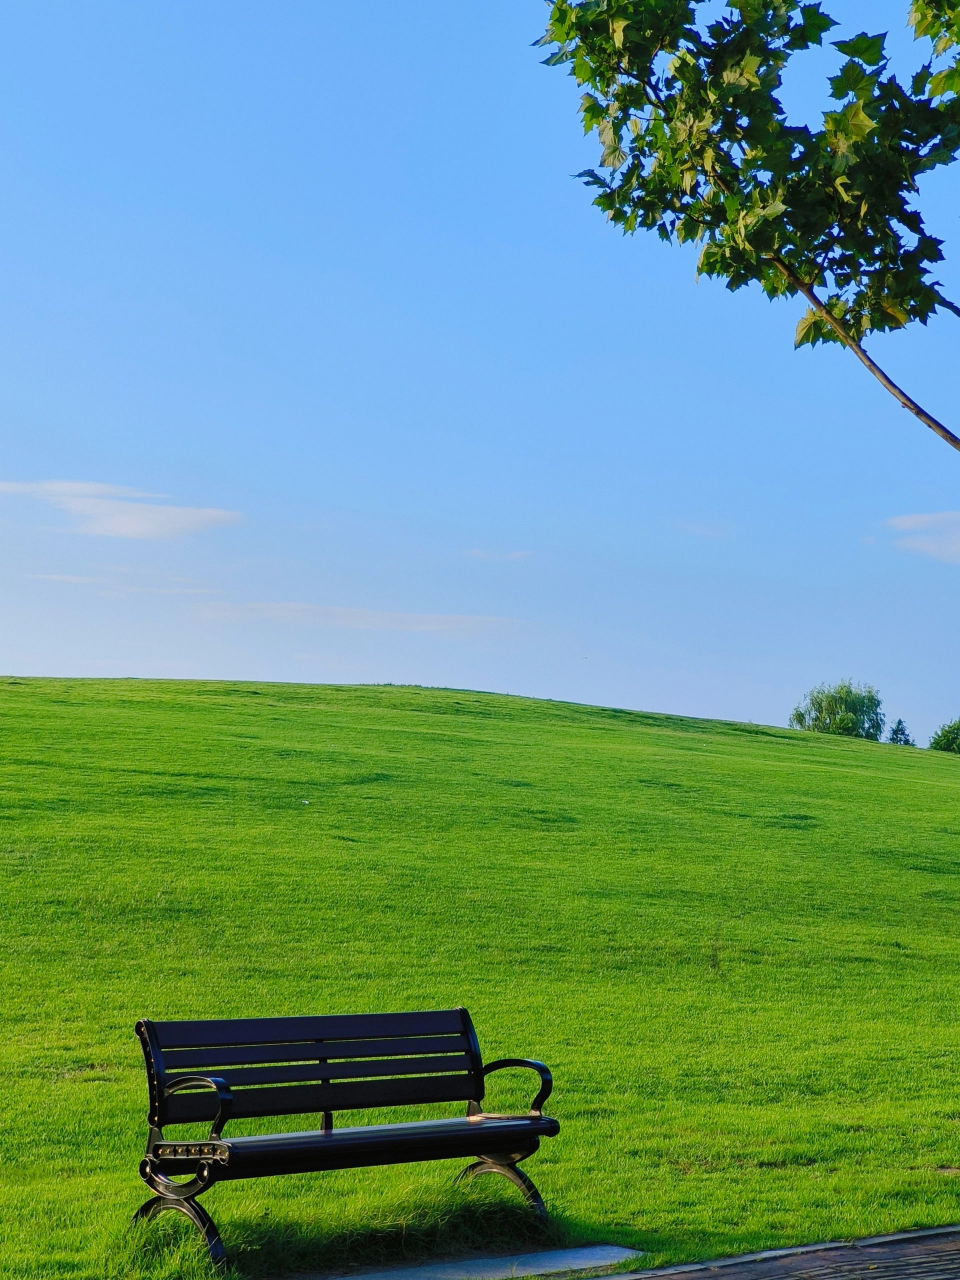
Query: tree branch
(849,341)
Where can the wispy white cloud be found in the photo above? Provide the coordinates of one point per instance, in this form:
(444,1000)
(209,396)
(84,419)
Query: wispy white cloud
(345,618)
(479,554)
(936,534)
(113,511)
(112,518)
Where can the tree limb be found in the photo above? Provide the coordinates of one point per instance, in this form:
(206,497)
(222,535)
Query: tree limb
(849,341)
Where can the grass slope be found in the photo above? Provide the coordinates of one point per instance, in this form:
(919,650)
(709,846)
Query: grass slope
(736,946)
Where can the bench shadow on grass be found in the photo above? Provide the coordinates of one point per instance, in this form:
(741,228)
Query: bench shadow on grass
(431,1231)
(434,1228)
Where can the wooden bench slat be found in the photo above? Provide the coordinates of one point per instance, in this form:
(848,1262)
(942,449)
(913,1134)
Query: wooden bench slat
(209,1033)
(296,1099)
(341,1071)
(309,1050)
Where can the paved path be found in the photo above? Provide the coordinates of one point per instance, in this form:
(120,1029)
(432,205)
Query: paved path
(911,1256)
(552,1262)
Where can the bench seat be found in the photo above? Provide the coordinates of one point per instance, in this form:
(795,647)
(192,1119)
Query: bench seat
(318,1150)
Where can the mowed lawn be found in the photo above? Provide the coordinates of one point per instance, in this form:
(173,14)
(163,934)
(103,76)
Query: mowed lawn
(737,947)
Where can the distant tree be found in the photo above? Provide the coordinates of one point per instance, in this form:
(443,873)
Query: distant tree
(848,709)
(899,736)
(696,145)
(947,738)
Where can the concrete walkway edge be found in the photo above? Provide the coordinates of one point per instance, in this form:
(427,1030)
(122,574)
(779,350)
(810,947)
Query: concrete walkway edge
(767,1255)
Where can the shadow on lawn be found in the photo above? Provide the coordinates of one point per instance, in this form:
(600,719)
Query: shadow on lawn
(169,1247)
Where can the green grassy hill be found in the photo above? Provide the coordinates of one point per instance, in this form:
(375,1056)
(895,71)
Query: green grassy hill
(737,947)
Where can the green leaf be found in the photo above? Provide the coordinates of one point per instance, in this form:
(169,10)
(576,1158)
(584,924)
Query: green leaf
(711,260)
(815,22)
(898,313)
(868,49)
(749,66)
(851,78)
(946,82)
(582,70)
(592,111)
(852,122)
(804,335)
(860,123)
(920,81)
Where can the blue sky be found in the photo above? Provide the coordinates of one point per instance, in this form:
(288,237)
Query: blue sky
(318,365)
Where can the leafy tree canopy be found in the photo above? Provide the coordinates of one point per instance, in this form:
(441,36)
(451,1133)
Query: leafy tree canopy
(848,709)
(947,738)
(899,736)
(697,146)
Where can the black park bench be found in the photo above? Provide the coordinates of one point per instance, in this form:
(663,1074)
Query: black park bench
(226,1070)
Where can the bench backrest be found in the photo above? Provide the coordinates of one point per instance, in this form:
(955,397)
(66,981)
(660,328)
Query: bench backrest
(291,1066)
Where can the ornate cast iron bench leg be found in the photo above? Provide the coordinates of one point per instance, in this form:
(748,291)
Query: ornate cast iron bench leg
(197,1215)
(512,1174)
(182,1198)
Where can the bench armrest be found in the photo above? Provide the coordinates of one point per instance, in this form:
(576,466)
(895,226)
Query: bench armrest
(210,1082)
(546,1079)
